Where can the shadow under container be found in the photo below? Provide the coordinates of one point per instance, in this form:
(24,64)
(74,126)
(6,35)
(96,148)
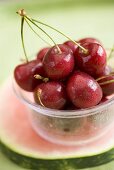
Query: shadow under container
(72,127)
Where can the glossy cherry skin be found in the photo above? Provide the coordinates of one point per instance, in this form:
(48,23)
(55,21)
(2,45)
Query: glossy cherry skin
(94,61)
(108,89)
(107,70)
(89,40)
(42,53)
(83,90)
(71,45)
(24,74)
(52,95)
(104,99)
(58,65)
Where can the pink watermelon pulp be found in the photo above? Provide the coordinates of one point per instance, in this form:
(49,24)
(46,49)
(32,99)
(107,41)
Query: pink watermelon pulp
(22,145)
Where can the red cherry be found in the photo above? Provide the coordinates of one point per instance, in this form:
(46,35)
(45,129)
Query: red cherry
(41,53)
(51,95)
(24,74)
(104,99)
(89,40)
(70,106)
(58,65)
(83,90)
(107,70)
(71,45)
(108,89)
(93,62)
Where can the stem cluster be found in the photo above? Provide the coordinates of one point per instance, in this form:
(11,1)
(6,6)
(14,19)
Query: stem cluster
(36,23)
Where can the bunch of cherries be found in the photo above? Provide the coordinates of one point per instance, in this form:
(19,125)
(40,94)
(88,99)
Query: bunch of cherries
(71,75)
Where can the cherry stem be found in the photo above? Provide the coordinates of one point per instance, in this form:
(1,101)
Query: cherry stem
(85,50)
(44,33)
(22,38)
(103,77)
(39,98)
(107,82)
(110,54)
(36,32)
(22,60)
(21,12)
(39,77)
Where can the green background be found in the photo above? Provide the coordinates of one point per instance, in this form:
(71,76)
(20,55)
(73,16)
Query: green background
(76,18)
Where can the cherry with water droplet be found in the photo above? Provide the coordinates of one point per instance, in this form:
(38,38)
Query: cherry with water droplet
(83,90)
(58,64)
(51,95)
(94,61)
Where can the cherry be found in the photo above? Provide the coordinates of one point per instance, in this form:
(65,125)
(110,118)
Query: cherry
(106,71)
(89,40)
(104,99)
(70,106)
(58,64)
(94,61)
(51,95)
(24,74)
(71,45)
(107,85)
(42,52)
(83,90)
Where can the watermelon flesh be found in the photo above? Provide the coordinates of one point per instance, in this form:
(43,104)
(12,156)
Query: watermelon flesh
(18,136)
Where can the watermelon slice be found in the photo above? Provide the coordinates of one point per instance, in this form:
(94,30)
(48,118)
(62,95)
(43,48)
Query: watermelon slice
(23,146)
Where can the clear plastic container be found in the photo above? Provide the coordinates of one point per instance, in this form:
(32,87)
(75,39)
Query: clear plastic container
(73,127)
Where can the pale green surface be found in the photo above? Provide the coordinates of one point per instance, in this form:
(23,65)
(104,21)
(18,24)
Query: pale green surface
(77,21)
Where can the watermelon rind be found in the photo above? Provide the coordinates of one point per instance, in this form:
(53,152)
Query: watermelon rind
(71,163)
